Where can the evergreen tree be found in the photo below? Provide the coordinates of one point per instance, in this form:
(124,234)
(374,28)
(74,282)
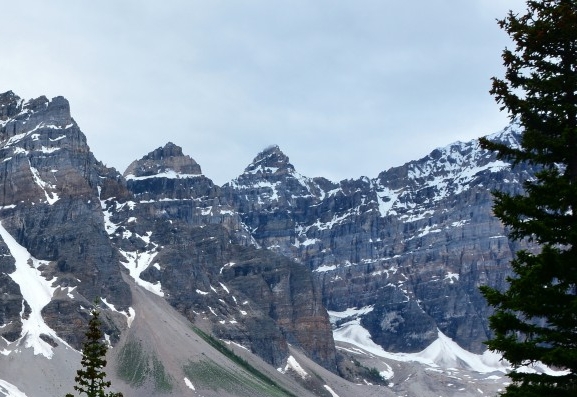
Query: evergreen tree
(90,378)
(535,319)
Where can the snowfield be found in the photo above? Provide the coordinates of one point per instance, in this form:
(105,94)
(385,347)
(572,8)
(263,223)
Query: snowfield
(37,292)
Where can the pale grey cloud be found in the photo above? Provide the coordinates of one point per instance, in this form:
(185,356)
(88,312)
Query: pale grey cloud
(346,88)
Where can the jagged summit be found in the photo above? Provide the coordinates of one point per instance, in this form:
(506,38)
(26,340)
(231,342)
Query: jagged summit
(167,151)
(8,105)
(167,161)
(19,116)
(35,135)
(270,161)
(450,168)
(48,172)
(397,260)
(7,94)
(273,179)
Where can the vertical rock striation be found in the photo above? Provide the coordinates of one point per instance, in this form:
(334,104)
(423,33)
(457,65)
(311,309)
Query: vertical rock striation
(182,239)
(49,203)
(409,247)
(259,260)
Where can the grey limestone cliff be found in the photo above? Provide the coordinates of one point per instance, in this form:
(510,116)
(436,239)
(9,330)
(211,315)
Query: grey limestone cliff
(262,261)
(410,247)
(204,261)
(164,224)
(49,203)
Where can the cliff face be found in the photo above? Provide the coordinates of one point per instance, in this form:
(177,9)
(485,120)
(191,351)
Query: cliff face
(181,239)
(49,204)
(410,247)
(164,223)
(257,261)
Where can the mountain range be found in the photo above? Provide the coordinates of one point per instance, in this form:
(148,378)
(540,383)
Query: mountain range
(274,284)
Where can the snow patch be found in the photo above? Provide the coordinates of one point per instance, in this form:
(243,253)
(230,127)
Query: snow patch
(57,138)
(229,264)
(229,342)
(350,312)
(386,198)
(170,174)
(109,226)
(292,364)
(189,384)
(49,150)
(9,390)
(16,138)
(37,292)
(325,268)
(50,198)
(452,277)
(263,169)
(443,353)
(129,316)
(224,288)
(136,263)
(333,394)
(427,230)
(68,291)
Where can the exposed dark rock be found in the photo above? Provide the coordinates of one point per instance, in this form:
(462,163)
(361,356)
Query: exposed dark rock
(413,245)
(167,159)
(207,266)
(260,258)
(49,202)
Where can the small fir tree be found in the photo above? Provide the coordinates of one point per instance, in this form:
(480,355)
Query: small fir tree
(535,319)
(90,379)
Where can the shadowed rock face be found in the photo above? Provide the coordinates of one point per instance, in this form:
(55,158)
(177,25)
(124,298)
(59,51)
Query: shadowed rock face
(10,298)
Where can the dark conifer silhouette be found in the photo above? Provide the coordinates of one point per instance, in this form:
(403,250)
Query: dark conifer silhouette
(90,379)
(535,319)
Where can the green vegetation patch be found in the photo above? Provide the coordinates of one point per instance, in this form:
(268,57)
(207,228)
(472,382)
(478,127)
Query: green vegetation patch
(214,377)
(136,366)
(209,375)
(371,374)
(162,381)
(133,364)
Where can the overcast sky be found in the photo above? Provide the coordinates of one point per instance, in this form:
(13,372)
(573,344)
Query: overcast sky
(345,88)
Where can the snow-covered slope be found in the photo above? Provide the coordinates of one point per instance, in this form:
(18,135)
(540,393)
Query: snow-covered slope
(37,292)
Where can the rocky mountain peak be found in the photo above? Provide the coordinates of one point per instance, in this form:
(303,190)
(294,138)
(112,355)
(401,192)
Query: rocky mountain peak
(167,151)
(164,161)
(58,109)
(19,117)
(49,173)
(398,258)
(8,105)
(270,180)
(34,136)
(37,104)
(7,96)
(270,161)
